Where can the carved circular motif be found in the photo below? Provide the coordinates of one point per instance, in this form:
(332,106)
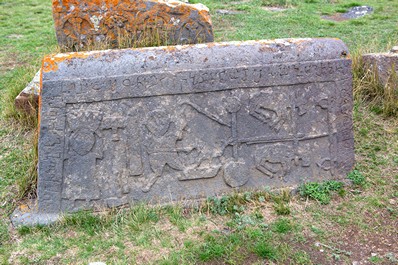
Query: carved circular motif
(158,122)
(82,141)
(236,173)
(232,104)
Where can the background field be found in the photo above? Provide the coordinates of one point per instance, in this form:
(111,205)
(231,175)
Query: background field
(326,224)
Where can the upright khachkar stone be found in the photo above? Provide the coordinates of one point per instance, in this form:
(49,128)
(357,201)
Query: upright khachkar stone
(170,123)
(124,22)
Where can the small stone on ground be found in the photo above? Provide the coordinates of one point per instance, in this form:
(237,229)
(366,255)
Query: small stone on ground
(228,12)
(353,13)
(394,49)
(273,8)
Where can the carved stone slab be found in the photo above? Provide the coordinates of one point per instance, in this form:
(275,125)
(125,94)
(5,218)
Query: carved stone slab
(86,22)
(170,123)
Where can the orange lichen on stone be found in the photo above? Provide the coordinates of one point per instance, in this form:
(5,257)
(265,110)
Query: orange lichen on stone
(50,63)
(80,23)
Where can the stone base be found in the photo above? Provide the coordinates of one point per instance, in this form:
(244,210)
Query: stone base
(28,100)
(28,215)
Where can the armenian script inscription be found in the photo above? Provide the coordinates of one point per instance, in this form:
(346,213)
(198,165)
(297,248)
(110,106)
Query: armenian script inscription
(193,121)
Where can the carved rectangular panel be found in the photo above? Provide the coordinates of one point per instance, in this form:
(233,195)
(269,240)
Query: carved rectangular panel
(186,122)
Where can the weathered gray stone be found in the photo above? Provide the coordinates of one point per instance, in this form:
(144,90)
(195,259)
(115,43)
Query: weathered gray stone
(168,123)
(385,65)
(28,99)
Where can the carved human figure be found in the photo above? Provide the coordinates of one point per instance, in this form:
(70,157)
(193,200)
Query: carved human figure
(84,148)
(161,135)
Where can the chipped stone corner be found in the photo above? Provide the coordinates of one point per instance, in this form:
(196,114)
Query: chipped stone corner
(29,215)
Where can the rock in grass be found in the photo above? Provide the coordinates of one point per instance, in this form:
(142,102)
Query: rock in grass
(353,13)
(357,12)
(394,49)
(129,23)
(28,100)
(228,12)
(385,65)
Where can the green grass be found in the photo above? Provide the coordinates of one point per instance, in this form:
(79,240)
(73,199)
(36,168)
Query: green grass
(378,31)
(357,178)
(259,227)
(321,192)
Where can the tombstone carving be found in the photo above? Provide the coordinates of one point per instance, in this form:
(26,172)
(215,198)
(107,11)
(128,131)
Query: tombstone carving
(160,124)
(130,23)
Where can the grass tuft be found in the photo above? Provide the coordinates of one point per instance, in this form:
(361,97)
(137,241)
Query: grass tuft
(234,203)
(357,178)
(281,202)
(320,191)
(353,4)
(282,226)
(211,249)
(265,250)
(4,234)
(368,88)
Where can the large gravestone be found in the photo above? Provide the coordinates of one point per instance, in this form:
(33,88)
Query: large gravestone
(122,23)
(186,122)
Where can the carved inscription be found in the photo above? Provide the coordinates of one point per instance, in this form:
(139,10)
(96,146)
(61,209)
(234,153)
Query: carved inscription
(185,82)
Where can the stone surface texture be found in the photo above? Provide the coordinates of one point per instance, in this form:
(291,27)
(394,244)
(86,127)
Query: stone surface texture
(95,21)
(185,122)
(28,99)
(385,65)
